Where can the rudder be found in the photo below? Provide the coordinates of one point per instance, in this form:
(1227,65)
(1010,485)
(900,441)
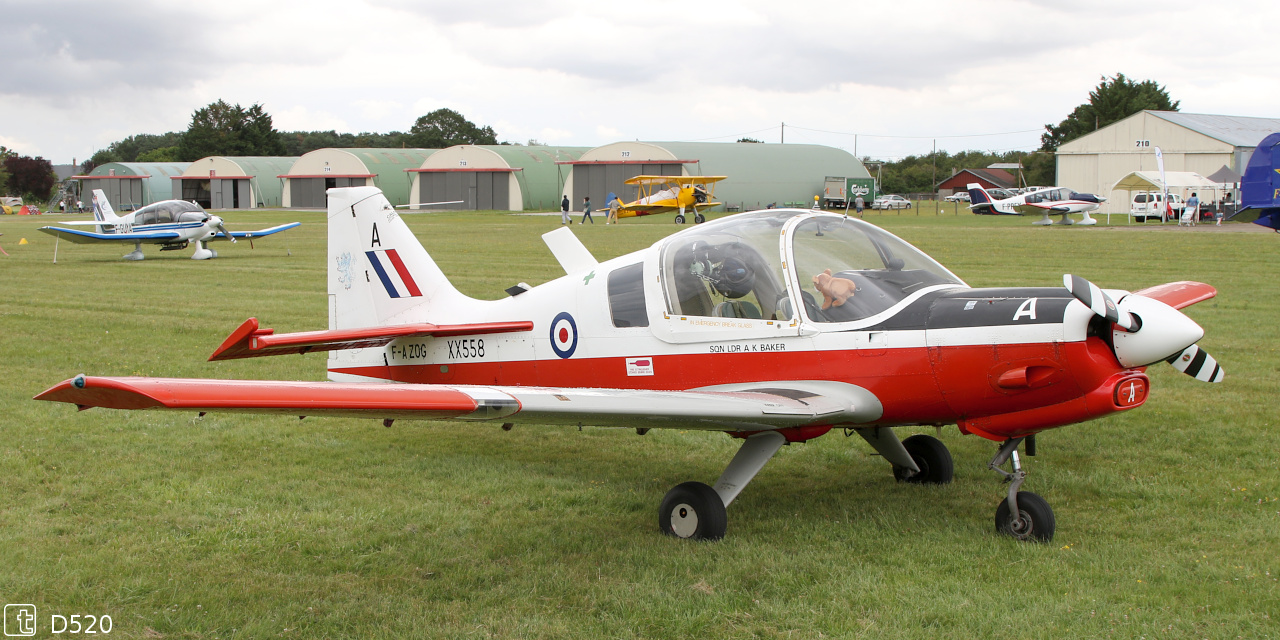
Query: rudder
(379,273)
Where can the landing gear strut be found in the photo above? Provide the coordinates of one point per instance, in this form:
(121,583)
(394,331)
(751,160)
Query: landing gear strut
(1022,515)
(694,510)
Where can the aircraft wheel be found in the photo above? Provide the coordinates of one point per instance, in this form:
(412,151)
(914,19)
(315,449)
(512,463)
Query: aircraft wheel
(699,218)
(1036,523)
(693,510)
(679,218)
(931,456)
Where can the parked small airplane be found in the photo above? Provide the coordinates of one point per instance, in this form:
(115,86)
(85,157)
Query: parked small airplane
(664,194)
(1045,201)
(772,326)
(172,224)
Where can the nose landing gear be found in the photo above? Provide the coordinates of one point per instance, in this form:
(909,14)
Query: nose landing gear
(1022,515)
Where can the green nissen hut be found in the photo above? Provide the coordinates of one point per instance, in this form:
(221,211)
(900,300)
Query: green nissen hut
(759,174)
(307,180)
(221,182)
(500,176)
(130,185)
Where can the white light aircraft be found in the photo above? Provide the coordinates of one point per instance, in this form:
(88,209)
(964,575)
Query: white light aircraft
(772,326)
(172,224)
(1045,201)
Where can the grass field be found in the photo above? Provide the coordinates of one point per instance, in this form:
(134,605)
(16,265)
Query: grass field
(265,527)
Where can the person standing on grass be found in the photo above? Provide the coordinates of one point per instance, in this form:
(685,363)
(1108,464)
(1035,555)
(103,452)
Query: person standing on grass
(858,204)
(564,211)
(1191,210)
(586,211)
(614,204)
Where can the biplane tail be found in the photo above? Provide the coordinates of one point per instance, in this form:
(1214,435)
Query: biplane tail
(379,274)
(1260,186)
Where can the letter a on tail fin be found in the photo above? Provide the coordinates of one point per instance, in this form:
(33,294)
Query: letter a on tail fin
(379,274)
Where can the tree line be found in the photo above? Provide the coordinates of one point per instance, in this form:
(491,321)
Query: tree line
(222,129)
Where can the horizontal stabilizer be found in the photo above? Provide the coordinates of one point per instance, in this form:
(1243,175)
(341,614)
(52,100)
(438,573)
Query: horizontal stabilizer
(250,341)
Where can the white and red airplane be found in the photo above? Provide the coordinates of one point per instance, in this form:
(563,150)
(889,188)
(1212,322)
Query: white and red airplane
(1044,201)
(172,224)
(772,326)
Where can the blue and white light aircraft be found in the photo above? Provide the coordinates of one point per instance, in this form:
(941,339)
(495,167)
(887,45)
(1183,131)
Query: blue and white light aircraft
(172,224)
(1046,201)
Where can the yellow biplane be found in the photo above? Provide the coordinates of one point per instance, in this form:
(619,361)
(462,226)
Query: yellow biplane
(664,194)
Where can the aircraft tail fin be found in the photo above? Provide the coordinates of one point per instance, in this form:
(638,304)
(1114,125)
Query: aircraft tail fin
(379,273)
(979,200)
(102,211)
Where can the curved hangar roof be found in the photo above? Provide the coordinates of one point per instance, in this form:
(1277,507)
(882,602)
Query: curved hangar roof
(498,176)
(306,180)
(759,173)
(130,185)
(266,188)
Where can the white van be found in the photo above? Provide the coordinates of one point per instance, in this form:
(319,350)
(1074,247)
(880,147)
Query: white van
(1150,204)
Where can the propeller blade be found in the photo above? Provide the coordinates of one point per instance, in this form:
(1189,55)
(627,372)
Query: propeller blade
(1198,364)
(1099,302)
(226,233)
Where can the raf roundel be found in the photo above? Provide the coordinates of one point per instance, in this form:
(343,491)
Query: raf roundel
(564,335)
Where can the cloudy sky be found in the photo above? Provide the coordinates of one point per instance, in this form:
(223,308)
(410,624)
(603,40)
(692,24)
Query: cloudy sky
(982,74)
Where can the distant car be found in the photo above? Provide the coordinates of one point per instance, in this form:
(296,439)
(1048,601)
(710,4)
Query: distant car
(959,196)
(891,202)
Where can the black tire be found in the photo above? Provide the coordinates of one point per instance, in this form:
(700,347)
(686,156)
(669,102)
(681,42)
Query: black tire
(933,458)
(679,218)
(1037,522)
(693,510)
(698,218)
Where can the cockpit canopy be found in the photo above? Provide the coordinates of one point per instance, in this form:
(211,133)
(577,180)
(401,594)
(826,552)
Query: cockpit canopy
(769,265)
(169,211)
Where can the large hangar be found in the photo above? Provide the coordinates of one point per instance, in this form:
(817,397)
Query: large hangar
(130,185)
(1188,141)
(503,177)
(317,171)
(241,182)
(759,174)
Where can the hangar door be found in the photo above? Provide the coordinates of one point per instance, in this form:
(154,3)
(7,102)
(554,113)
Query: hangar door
(597,180)
(124,195)
(230,194)
(478,190)
(309,193)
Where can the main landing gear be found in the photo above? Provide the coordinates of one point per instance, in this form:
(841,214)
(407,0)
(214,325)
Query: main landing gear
(698,218)
(694,510)
(1022,515)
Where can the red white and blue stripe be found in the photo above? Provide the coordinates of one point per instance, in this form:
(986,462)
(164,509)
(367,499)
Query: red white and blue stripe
(394,275)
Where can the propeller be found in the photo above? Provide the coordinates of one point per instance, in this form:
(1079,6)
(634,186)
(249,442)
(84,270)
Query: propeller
(1148,331)
(216,223)
(1099,302)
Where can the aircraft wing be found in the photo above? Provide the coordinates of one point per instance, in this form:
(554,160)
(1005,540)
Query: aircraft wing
(88,237)
(717,409)
(1179,294)
(250,341)
(256,234)
(650,208)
